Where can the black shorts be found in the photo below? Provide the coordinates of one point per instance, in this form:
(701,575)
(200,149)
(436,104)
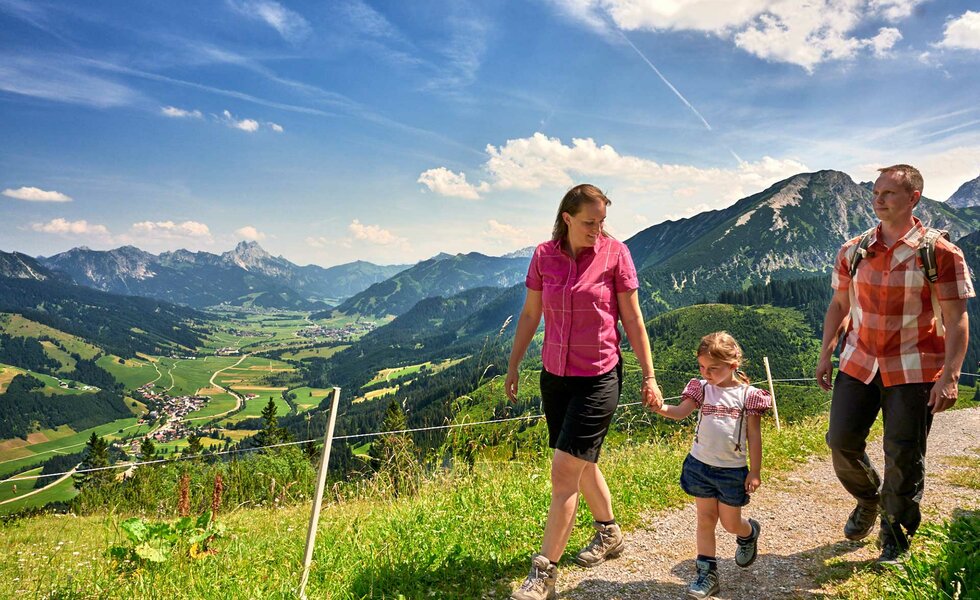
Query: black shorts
(579,410)
(727,484)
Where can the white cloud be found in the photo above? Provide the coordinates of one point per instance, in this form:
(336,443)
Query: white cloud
(71,228)
(180,113)
(33,194)
(963,32)
(62,79)
(250,233)
(170,230)
(446,183)
(800,33)
(894,10)
(507,235)
(290,25)
(886,39)
(275,127)
(249,125)
(373,234)
(543,162)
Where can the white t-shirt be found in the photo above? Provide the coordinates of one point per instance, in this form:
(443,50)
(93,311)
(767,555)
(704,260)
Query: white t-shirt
(720,438)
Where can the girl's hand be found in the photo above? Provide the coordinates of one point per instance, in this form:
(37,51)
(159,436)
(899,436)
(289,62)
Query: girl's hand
(752,482)
(653,398)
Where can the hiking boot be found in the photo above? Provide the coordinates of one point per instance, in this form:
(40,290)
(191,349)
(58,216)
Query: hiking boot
(705,584)
(892,554)
(747,551)
(540,582)
(606,543)
(860,522)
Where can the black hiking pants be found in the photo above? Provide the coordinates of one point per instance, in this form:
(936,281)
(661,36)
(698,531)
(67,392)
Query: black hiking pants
(907,419)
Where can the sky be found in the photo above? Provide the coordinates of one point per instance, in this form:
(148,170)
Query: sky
(332,131)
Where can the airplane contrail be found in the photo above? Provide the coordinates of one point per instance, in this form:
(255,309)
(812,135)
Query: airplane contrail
(664,79)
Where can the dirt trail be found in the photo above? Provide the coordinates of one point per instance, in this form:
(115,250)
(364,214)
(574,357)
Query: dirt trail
(802,514)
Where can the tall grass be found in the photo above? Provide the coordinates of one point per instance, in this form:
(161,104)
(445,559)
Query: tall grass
(464,534)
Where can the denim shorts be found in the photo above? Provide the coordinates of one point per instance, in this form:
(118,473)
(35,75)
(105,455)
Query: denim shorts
(727,484)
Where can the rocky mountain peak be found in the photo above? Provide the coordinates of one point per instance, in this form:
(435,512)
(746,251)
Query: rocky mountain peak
(967,195)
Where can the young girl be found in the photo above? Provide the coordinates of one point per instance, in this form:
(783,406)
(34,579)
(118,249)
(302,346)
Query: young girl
(715,471)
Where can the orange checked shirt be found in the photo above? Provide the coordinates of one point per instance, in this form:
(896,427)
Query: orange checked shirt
(893,328)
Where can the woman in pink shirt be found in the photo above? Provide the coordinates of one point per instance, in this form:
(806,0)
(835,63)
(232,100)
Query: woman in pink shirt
(582,281)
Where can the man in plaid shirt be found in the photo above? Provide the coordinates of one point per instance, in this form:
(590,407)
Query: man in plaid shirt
(893,360)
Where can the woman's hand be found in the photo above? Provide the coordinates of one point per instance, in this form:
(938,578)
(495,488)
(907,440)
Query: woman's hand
(510,385)
(653,398)
(752,481)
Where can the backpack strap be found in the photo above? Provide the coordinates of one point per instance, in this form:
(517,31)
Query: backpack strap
(858,252)
(930,269)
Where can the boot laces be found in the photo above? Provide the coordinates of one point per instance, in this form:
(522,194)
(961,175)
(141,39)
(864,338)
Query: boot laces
(535,580)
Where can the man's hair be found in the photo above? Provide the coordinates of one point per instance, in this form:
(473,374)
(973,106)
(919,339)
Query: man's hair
(910,176)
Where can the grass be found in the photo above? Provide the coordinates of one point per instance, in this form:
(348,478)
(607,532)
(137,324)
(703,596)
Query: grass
(307,397)
(371,543)
(968,475)
(321,352)
(132,373)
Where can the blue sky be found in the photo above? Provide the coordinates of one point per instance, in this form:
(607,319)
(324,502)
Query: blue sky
(390,131)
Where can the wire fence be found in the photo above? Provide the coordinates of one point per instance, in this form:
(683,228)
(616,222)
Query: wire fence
(355,436)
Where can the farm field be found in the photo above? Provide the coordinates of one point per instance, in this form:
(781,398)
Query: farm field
(322,352)
(19,326)
(51,384)
(132,372)
(394,373)
(15,455)
(307,397)
(58,492)
(253,408)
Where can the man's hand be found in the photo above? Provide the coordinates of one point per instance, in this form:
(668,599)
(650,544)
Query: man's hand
(943,394)
(825,373)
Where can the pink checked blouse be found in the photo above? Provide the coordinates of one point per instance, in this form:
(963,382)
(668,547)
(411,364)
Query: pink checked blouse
(578,297)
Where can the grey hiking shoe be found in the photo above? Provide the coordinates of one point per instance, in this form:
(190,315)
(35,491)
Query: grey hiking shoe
(892,554)
(705,584)
(606,543)
(747,551)
(540,582)
(860,523)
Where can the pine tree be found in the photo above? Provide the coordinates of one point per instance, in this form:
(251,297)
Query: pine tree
(393,455)
(271,433)
(96,456)
(194,445)
(148,450)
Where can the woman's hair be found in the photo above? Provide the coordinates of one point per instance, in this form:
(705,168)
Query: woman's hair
(572,204)
(720,345)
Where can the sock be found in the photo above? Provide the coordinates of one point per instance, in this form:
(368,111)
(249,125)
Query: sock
(607,523)
(711,560)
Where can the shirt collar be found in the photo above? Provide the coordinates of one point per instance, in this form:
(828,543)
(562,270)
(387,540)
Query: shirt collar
(600,243)
(911,237)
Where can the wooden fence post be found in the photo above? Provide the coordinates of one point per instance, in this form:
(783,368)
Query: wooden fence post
(772,392)
(318,497)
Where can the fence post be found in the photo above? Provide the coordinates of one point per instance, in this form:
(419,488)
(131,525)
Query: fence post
(772,392)
(318,497)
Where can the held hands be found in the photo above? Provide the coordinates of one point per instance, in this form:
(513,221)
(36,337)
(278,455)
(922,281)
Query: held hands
(653,398)
(824,373)
(943,394)
(752,482)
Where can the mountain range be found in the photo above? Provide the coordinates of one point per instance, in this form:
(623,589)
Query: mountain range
(246,275)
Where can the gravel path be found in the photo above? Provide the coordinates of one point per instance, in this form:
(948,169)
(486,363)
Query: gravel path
(802,514)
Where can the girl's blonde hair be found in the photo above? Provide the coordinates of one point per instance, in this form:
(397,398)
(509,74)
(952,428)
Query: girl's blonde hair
(721,346)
